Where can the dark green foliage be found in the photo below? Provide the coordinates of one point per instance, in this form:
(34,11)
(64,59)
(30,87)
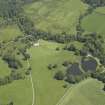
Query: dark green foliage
(65,86)
(17,76)
(66,63)
(70,79)
(26,25)
(55,66)
(12,62)
(28,71)
(104,87)
(52,66)
(95,3)
(59,75)
(99,76)
(10,8)
(70,47)
(57,49)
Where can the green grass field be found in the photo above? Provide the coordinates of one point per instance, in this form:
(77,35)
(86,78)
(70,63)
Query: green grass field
(20,92)
(94,23)
(101,10)
(87,92)
(55,16)
(9,32)
(4,69)
(47,88)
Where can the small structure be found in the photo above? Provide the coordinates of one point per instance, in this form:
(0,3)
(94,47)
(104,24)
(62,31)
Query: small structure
(36,44)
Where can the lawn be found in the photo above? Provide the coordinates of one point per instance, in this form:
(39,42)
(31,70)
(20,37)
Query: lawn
(87,92)
(20,92)
(9,32)
(4,69)
(48,90)
(94,23)
(55,16)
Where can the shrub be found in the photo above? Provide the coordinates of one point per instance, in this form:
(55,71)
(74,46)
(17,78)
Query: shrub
(59,75)
(50,66)
(57,49)
(55,66)
(66,63)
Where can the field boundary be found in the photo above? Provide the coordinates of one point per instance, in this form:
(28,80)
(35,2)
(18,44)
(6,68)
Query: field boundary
(65,94)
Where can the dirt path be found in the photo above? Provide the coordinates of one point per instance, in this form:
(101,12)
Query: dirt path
(32,85)
(33,92)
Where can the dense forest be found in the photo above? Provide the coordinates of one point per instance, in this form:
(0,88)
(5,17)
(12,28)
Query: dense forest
(95,3)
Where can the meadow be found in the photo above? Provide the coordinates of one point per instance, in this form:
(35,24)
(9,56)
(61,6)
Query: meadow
(55,16)
(9,32)
(4,69)
(20,92)
(87,92)
(47,88)
(95,22)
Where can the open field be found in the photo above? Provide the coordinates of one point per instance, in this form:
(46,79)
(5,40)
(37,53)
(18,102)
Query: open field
(9,32)
(55,16)
(20,92)
(94,23)
(101,10)
(4,69)
(87,92)
(47,88)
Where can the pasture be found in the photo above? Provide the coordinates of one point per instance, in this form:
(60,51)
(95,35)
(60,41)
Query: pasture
(87,92)
(20,92)
(94,23)
(47,88)
(9,32)
(55,16)
(4,69)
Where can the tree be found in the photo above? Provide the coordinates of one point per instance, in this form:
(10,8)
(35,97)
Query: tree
(66,63)
(59,75)
(50,66)
(57,48)
(71,48)
(55,66)
(71,79)
(95,3)
(9,8)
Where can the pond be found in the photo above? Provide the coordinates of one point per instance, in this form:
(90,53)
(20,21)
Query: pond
(89,64)
(74,69)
